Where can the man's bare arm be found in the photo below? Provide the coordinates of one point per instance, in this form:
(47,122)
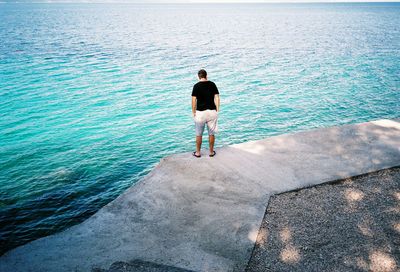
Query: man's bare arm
(216,101)
(194,105)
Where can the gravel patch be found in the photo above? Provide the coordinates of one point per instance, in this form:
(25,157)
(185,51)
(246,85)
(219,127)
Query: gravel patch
(347,225)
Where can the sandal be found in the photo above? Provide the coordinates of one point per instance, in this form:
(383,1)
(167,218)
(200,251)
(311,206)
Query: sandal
(194,154)
(213,154)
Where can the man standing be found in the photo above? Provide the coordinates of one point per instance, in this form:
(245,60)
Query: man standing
(205,108)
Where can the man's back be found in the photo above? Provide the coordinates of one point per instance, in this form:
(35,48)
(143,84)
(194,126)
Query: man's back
(205,91)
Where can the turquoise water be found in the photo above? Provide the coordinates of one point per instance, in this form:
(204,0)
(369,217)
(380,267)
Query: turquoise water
(93,95)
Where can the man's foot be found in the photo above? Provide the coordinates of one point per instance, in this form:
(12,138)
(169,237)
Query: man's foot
(213,154)
(196,155)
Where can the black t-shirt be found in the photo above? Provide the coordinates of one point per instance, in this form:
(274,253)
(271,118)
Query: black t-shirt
(204,92)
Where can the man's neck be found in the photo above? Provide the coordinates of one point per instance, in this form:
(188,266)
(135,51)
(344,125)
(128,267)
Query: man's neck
(203,79)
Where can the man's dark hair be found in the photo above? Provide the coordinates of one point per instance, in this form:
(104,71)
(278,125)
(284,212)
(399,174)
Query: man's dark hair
(202,73)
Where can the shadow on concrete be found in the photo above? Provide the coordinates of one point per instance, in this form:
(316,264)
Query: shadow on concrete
(139,266)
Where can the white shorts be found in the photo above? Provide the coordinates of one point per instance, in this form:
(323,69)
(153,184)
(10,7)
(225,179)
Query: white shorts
(209,117)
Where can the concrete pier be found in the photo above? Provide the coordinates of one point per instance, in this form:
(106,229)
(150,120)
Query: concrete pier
(203,214)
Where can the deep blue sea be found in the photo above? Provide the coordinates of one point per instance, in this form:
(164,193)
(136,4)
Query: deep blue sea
(93,95)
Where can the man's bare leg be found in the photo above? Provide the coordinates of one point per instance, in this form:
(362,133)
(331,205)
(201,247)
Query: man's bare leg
(199,139)
(211,140)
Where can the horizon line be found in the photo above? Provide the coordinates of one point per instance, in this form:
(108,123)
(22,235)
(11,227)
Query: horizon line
(201,2)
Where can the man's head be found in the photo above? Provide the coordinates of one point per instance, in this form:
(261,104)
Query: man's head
(202,74)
